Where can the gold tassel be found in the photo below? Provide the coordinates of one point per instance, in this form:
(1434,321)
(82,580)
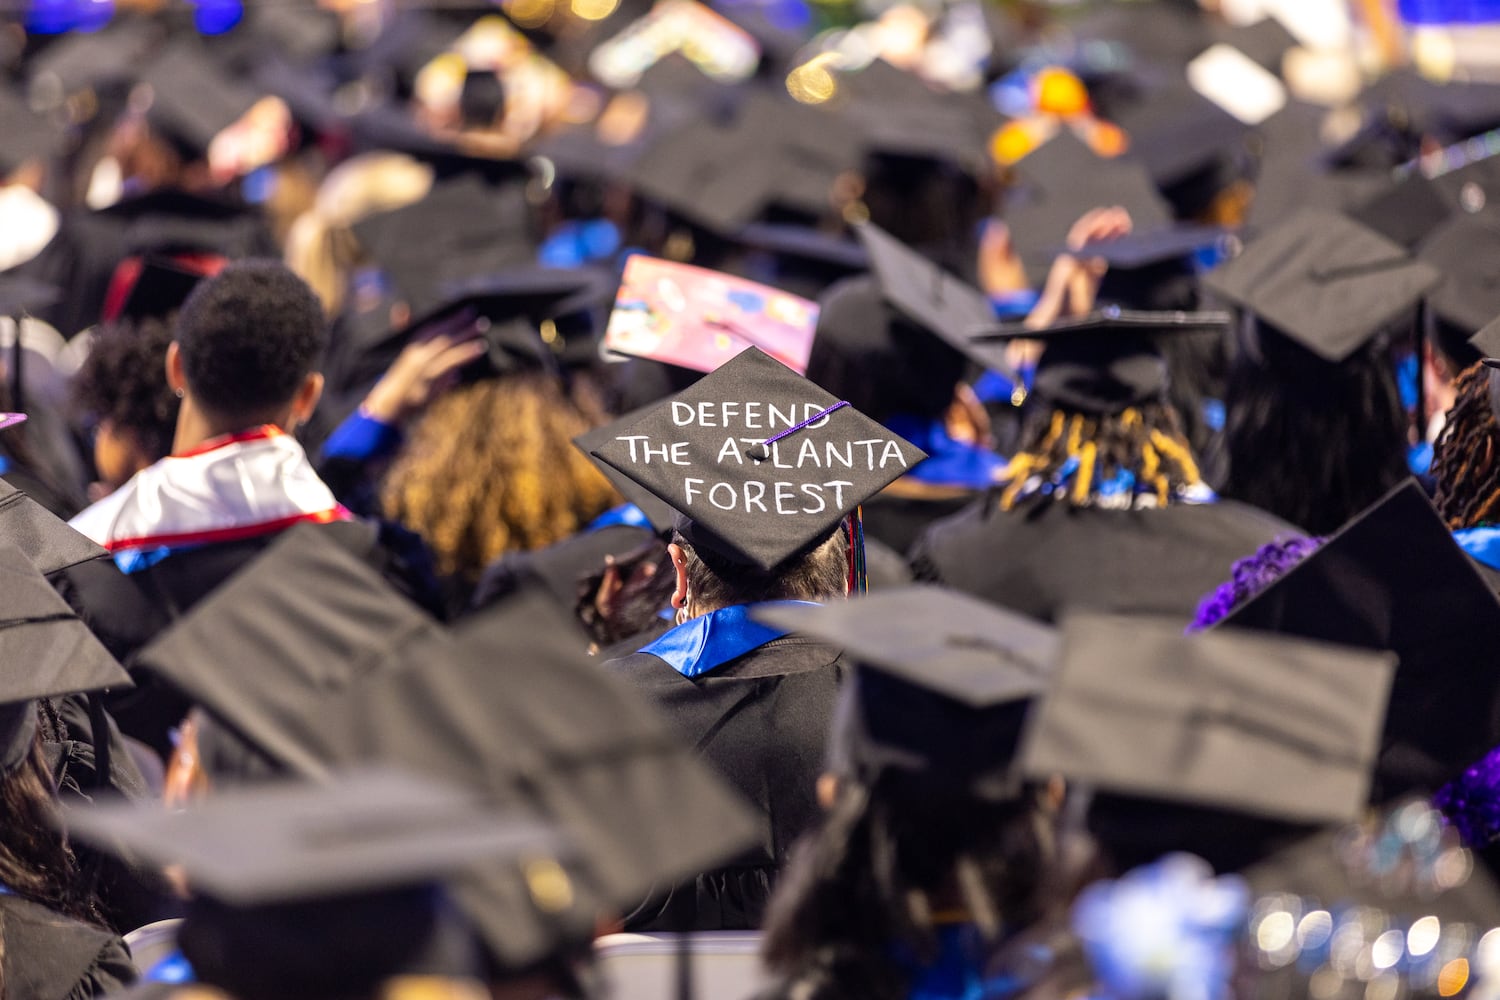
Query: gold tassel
(1085,477)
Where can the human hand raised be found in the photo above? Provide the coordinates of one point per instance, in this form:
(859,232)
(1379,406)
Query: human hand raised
(426,368)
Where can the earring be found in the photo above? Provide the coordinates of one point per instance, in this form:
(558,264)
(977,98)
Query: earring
(179,392)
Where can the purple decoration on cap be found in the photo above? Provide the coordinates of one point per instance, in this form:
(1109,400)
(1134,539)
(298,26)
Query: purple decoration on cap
(1471,802)
(762,451)
(1251,575)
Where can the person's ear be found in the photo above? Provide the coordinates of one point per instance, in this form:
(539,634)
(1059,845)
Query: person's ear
(176,380)
(679,564)
(307,398)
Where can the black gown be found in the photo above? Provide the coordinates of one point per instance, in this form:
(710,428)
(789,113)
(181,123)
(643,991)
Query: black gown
(46,956)
(761,721)
(1042,560)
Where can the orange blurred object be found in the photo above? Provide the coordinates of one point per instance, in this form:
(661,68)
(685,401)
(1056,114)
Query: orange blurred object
(1059,92)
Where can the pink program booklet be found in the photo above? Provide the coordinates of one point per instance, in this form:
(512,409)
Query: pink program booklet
(696,318)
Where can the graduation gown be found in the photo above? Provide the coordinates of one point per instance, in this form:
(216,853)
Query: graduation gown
(1041,560)
(761,720)
(46,956)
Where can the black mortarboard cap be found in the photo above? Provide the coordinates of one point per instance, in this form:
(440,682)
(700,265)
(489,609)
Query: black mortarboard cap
(938,302)
(465,228)
(760,462)
(797,259)
(292,841)
(1179,134)
(657,511)
(192,101)
(1063,179)
(942,686)
(1407,212)
(1464,250)
(48,542)
(519,712)
(1143,249)
(1325,281)
(1107,361)
(316,890)
(77,61)
(1243,726)
(1394,579)
(1487,340)
(261,656)
(161,287)
(47,651)
(1266,41)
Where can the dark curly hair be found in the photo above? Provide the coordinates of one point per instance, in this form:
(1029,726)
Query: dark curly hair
(122,383)
(1464,468)
(249,336)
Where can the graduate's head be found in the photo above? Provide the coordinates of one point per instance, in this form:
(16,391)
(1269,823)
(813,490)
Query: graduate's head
(1100,429)
(764,471)
(247,343)
(928,820)
(1466,458)
(1310,439)
(708,580)
(865,351)
(120,391)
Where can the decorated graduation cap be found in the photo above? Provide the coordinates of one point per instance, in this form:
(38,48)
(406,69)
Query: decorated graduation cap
(1324,281)
(319,889)
(759,463)
(1394,579)
(47,652)
(941,690)
(1222,744)
(1108,361)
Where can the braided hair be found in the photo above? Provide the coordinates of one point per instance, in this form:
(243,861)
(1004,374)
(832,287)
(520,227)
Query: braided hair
(1464,462)
(1137,458)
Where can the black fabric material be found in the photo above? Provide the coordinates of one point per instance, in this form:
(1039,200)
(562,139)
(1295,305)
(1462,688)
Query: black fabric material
(49,957)
(127,611)
(559,568)
(1042,560)
(762,722)
(898,521)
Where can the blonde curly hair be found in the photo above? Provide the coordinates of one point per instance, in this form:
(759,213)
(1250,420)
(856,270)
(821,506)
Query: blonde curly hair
(489,468)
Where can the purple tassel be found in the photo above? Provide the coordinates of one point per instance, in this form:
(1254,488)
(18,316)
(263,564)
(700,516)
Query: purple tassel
(1251,575)
(1471,802)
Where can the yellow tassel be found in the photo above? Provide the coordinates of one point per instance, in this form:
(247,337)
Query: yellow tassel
(1075,434)
(1162,492)
(1085,478)
(1177,453)
(1149,462)
(1130,418)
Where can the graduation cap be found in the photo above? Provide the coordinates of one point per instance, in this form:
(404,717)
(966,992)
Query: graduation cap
(942,686)
(1063,179)
(1394,579)
(1324,281)
(1107,361)
(759,462)
(466,227)
(658,512)
(46,541)
(312,890)
(1407,212)
(1469,296)
(798,259)
(48,652)
(930,297)
(1268,736)
(261,656)
(94,60)
(1487,340)
(191,100)
(1184,139)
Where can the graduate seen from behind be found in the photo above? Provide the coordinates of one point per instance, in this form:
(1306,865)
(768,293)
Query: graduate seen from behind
(1103,505)
(766,472)
(242,363)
